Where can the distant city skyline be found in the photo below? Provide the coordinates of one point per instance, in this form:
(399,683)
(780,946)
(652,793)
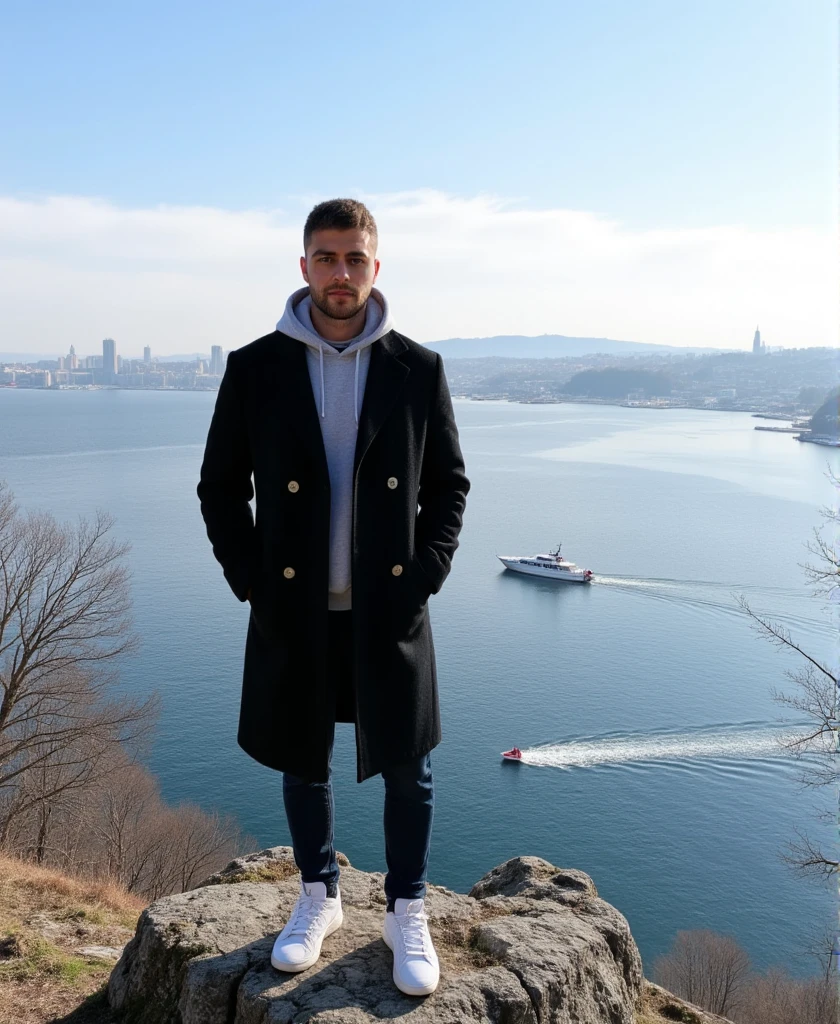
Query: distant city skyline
(217,354)
(787,383)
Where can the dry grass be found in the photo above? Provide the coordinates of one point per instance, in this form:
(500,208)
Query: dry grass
(54,888)
(658,1006)
(276,871)
(457,939)
(45,919)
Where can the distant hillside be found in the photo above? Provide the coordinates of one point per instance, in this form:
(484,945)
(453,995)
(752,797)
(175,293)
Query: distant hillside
(617,383)
(548,346)
(826,420)
(24,357)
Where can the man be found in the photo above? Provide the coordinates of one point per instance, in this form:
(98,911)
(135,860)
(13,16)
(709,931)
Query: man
(347,428)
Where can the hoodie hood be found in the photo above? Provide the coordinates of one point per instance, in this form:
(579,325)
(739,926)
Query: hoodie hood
(296,322)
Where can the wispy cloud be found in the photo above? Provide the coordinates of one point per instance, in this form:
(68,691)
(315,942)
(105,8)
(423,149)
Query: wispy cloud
(75,269)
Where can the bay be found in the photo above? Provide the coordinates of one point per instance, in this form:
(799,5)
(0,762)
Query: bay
(643,702)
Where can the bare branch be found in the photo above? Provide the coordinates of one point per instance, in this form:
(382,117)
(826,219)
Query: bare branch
(780,637)
(806,857)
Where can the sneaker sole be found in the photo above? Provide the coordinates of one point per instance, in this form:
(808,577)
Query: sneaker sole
(407,989)
(304,965)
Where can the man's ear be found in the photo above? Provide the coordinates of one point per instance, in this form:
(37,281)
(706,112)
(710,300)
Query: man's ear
(303,269)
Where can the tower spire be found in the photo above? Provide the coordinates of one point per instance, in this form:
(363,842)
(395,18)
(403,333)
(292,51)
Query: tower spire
(757,341)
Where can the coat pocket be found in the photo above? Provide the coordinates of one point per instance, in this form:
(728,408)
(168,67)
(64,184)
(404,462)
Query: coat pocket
(262,607)
(409,594)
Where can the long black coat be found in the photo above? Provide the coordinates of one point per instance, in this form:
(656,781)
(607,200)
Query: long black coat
(265,425)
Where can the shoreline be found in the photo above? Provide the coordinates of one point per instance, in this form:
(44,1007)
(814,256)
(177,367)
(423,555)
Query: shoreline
(757,413)
(825,440)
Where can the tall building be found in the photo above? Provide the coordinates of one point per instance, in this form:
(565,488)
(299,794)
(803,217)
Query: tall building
(758,346)
(216,364)
(72,360)
(109,360)
(147,354)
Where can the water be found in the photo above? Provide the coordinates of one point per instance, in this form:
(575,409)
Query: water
(711,743)
(643,702)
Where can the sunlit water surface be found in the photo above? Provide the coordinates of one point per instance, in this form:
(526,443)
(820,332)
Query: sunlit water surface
(642,703)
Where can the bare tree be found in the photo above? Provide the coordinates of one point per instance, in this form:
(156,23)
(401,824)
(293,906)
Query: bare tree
(128,801)
(776,998)
(706,969)
(713,972)
(815,696)
(120,828)
(72,792)
(148,847)
(825,575)
(203,841)
(64,619)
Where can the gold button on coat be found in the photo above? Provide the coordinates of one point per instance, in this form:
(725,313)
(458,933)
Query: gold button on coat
(294,486)
(289,572)
(397,570)
(392,482)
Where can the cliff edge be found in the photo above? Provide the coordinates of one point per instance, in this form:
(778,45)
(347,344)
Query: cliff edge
(531,943)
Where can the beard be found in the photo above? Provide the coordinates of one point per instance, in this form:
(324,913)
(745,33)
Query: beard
(339,309)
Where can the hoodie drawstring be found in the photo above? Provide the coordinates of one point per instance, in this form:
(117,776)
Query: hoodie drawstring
(321,354)
(356,390)
(355,384)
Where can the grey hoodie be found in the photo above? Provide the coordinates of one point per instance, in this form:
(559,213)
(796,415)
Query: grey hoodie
(338,374)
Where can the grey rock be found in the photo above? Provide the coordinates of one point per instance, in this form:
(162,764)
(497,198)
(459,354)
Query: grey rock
(46,927)
(537,879)
(275,863)
(172,933)
(100,952)
(661,1005)
(532,944)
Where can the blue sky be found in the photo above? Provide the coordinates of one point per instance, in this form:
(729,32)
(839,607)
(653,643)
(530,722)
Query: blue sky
(655,116)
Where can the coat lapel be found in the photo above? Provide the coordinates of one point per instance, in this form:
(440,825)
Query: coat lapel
(386,377)
(289,378)
(289,391)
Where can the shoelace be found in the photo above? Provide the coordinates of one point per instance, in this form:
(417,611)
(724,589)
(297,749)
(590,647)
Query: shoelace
(307,915)
(414,933)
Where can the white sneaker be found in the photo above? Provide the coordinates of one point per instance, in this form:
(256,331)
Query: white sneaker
(314,917)
(406,933)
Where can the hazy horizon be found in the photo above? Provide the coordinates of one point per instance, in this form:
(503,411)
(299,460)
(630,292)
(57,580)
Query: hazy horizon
(21,355)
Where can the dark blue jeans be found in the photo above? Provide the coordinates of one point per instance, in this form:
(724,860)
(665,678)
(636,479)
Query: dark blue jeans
(409,806)
(409,809)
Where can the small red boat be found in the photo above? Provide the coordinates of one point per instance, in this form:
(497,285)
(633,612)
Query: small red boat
(514,754)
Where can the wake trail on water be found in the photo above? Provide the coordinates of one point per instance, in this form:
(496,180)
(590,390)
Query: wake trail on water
(708,596)
(664,585)
(716,742)
(39,456)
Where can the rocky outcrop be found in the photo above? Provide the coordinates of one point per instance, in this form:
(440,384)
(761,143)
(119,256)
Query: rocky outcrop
(530,944)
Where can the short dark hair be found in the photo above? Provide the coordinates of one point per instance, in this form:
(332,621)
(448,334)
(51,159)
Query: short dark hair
(340,214)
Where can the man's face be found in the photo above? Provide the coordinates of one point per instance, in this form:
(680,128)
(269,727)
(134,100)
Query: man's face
(340,268)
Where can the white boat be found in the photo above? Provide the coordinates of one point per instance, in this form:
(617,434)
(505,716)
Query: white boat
(552,567)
